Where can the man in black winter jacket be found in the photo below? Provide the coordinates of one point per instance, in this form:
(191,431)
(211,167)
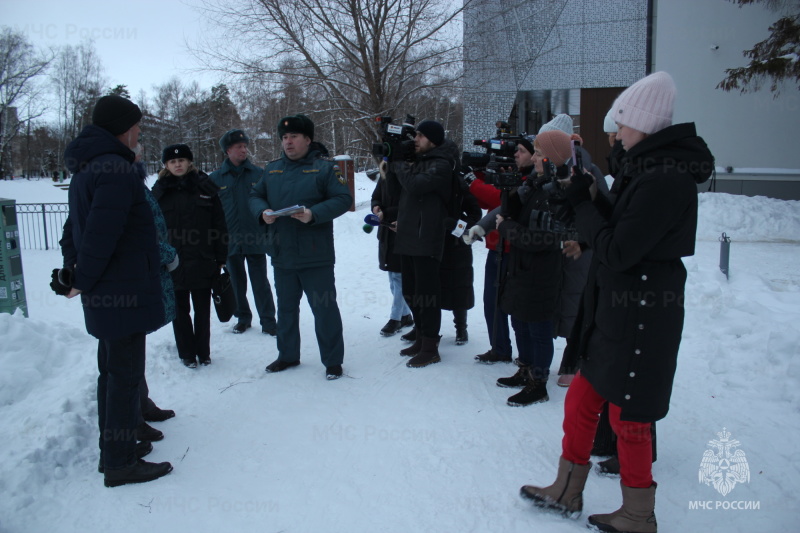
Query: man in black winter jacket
(426,190)
(110,243)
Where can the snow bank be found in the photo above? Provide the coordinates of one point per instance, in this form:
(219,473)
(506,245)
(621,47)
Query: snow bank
(746,218)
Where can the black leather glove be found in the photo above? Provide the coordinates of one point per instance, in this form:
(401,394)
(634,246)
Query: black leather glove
(61,281)
(577,191)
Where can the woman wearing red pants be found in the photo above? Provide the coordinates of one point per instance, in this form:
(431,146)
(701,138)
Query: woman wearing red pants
(627,335)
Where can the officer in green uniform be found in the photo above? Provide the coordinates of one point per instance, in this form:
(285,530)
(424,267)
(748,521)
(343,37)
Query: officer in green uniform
(246,238)
(300,245)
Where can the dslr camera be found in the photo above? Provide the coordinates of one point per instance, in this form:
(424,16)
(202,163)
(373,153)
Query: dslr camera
(397,140)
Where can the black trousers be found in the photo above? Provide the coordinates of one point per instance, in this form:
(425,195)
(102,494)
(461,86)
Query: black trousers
(605,441)
(120,363)
(193,338)
(147,405)
(422,290)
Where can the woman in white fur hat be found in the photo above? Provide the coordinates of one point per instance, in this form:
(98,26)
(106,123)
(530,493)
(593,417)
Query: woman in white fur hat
(627,335)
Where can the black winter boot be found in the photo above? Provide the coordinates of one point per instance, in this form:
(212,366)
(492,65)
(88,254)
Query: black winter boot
(391,327)
(279,366)
(414,349)
(520,379)
(428,354)
(143,447)
(534,392)
(140,472)
(158,415)
(609,467)
(491,357)
(460,321)
(411,336)
(145,431)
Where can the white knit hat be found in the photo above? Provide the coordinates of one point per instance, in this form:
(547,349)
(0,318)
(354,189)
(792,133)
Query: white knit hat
(646,105)
(561,122)
(609,126)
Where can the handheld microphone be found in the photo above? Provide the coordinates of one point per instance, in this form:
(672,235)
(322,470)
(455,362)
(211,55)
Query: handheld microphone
(372,219)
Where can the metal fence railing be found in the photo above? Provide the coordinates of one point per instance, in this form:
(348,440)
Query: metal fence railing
(40,225)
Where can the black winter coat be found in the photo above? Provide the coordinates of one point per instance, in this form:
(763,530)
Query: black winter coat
(110,235)
(532,282)
(573,281)
(426,188)
(629,330)
(381,197)
(456,273)
(196,227)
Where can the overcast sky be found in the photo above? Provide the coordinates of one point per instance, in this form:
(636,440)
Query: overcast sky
(140,42)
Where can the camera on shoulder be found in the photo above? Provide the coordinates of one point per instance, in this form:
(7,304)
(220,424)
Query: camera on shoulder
(397,140)
(497,162)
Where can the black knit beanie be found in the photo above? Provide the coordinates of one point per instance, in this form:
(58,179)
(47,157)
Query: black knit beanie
(432,130)
(296,124)
(527,142)
(115,114)
(176,151)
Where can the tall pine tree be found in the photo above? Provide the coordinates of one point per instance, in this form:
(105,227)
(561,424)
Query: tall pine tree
(776,58)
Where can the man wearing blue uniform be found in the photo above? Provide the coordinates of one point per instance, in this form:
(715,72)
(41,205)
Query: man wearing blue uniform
(235,178)
(300,245)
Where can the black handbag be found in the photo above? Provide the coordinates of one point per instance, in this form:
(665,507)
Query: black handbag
(223,296)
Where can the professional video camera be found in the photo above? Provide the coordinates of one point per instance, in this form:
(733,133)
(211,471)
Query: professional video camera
(397,140)
(502,146)
(498,164)
(501,175)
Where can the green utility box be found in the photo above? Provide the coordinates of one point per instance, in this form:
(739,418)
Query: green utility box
(12,284)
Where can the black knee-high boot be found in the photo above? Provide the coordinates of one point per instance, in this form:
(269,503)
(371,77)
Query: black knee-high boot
(460,321)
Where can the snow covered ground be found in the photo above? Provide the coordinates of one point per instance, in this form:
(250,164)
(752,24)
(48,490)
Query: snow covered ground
(393,449)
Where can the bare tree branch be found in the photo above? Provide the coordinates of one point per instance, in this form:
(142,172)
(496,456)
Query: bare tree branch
(358,58)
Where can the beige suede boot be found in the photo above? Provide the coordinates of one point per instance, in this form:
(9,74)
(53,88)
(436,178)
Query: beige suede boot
(566,492)
(637,514)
